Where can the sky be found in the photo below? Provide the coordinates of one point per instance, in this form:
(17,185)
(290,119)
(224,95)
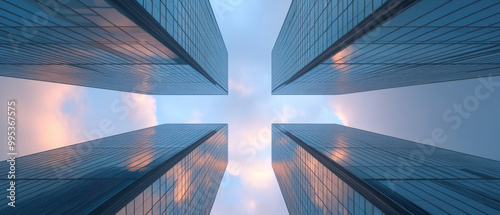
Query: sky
(53,115)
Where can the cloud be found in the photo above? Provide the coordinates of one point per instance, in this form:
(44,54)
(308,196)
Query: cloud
(239,87)
(145,113)
(196,116)
(250,179)
(304,109)
(285,114)
(253,190)
(113,112)
(258,174)
(342,112)
(54,115)
(41,122)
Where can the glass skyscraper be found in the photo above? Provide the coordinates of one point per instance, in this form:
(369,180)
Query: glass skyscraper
(333,169)
(167,169)
(328,47)
(143,46)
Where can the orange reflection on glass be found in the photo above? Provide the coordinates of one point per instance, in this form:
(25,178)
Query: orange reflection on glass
(343,57)
(314,177)
(140,161)
(143,158)
(338,154)
(183,190)
(341,62)
(140,49)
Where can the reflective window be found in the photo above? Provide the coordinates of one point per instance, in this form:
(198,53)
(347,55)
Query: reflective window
(81,178)
(426,42)
(419,177)
(91,43)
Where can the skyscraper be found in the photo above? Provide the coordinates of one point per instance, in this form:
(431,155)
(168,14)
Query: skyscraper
(167,169)
(336,47)
(333,169)
(142,46)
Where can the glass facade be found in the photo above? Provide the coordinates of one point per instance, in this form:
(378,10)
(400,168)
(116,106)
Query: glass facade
(167,169)
(337,47)
(333,169)
(308,187)
(143,46)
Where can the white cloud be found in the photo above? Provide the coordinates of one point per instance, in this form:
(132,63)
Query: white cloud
(54,115)
(258,174)
(240,87)
(41,123)
(144,114)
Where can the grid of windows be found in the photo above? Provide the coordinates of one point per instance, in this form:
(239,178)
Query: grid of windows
(81,178)
(431,41)
(190,187)
(90,43)
(310,28)
(418,177)
(190,23)
(308,187)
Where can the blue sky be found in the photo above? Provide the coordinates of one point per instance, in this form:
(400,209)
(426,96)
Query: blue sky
(54,115)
